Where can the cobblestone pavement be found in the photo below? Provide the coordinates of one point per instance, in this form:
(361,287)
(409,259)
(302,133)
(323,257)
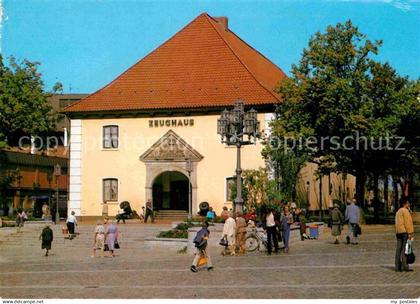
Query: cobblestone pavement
(312,269)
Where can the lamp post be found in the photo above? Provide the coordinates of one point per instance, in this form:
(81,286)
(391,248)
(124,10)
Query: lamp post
(320,198)
(57,173)
(189,168)
(307,194)
(238,128)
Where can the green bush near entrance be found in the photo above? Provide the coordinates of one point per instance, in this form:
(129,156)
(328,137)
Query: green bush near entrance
(181,230)
(174,234)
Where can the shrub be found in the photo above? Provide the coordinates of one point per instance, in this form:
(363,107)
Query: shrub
(174,234)
(184,226)
(9,224)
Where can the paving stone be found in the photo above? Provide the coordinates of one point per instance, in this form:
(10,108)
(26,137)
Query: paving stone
(312,269)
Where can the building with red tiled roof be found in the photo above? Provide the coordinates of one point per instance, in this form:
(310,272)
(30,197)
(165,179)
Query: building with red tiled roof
(152,132)
(204,65)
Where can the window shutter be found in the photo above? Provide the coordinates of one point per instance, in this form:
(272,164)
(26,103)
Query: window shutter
(106,186)
(107,137)
(114,137)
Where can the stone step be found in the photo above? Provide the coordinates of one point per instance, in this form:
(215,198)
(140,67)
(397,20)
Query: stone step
(170,216)
(172,211)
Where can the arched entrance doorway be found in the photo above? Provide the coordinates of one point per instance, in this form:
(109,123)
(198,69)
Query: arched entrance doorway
(170,191)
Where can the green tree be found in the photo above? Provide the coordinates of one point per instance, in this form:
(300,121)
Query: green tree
(394,107)
(337,91)
(257,188)
(24,108)
(23,101)
(285,162)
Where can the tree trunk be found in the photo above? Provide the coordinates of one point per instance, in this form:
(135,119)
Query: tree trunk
(320,198)
(386,184)
(411,196)
(360,187)
(406,187)
(396,203)
(376,197)
(294,194)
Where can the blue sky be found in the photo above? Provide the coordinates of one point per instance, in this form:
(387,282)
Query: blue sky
(86,44)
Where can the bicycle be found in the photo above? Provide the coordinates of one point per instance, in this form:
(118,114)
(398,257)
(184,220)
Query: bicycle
(254,240)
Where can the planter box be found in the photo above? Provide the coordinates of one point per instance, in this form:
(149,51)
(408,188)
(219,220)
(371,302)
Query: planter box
(167,243)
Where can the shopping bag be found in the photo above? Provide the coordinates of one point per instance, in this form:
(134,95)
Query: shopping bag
(409,247)
(411,258)
(202,261)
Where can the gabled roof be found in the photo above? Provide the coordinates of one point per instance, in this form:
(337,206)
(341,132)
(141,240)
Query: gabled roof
(203,65)
(171,147)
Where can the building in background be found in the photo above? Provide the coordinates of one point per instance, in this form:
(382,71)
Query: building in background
(33,161)
(132,139)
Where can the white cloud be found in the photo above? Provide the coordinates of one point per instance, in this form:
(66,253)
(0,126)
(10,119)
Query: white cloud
(3,19)
(1,22)
(403,5)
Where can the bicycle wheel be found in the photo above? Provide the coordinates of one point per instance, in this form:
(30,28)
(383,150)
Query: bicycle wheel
(251,243)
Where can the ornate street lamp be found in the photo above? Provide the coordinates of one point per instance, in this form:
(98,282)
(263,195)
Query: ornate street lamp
(238,128)
(189,168)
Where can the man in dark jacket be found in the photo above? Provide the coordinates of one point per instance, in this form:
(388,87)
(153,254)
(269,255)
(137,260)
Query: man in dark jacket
(47,238)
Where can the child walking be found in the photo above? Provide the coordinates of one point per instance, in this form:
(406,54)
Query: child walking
(200,242)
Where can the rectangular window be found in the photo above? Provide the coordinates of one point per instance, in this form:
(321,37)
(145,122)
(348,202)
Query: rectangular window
(230,184)
(110,137)
(110,189)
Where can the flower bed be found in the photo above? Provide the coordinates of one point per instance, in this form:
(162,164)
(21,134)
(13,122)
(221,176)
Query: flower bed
(173,234)
(180,231)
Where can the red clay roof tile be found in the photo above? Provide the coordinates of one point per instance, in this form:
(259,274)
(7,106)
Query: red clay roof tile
(203,65)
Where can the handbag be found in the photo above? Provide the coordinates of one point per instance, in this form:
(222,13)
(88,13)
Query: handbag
(357,230)
(116,245)
(106,247)
(223,242)
(411,258)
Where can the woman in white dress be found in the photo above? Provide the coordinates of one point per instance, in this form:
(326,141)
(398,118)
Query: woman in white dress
(229,232)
